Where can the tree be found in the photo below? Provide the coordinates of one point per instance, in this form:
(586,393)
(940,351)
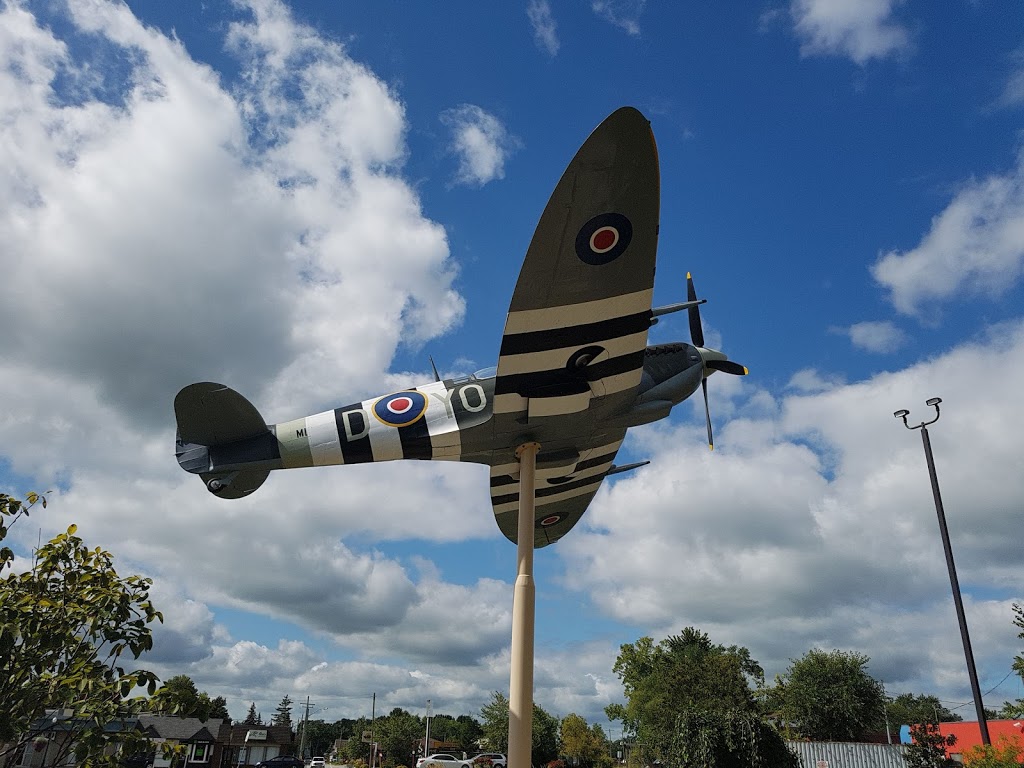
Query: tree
(397,734)
(1017,709)
(283,714)
(908,709)
(320,735)
(494,717)
(219,708)
(723,739)
(65,625)
(828,696)
(1005,753)
(251,718)
(179,696)
(494,721)
(928,748)
(584,745)
(683,672)
(545,736)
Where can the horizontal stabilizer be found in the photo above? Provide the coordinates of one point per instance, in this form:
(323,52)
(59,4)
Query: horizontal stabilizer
(212,414)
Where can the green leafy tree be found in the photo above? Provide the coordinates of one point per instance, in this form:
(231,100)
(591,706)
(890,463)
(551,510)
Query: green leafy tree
(283,714)
(1011,710)
(545,736)
(1005,753)
(584,745)
(1016,709)
(397,735)
(466,732)
(179,696)
(320,736)
(724,739)
(683,672)
(910,709)
(65,625)
(354,750)
(928,747)
(828,696)
(494,723)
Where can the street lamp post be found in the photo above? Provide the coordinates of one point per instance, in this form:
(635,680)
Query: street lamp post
(944,532)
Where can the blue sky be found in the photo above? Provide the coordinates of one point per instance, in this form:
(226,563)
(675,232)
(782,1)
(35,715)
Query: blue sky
(304,201)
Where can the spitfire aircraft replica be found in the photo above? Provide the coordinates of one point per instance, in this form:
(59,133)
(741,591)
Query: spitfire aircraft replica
(574,373)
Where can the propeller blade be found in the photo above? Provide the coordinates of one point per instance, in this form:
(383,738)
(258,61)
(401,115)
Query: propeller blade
(727,366)
(707,413)
(696,331)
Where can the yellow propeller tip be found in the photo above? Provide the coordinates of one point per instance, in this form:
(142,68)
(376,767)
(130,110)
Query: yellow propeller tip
(745,370)
(688,275)
(711,447)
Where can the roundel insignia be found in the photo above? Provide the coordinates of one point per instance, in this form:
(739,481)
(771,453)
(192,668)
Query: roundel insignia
(550,520)
(603,239)
(400,409)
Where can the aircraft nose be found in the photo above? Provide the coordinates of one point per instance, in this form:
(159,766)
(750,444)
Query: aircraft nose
(707,355)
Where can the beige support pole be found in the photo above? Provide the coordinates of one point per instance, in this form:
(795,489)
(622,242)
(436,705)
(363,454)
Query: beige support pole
(520,695)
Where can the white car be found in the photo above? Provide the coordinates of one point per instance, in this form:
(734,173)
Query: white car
(497,760)
(443,761)
(317,762)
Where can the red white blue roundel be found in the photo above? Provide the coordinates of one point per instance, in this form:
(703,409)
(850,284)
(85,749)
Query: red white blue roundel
(400,409)
(549,520)
(603,239)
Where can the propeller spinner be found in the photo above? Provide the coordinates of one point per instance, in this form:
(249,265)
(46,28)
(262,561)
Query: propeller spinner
(712,359)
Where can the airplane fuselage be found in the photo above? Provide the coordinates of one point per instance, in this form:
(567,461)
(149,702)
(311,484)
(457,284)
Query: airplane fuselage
(449,420)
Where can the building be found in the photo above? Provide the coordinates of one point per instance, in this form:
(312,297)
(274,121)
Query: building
(968,734)
(246,745)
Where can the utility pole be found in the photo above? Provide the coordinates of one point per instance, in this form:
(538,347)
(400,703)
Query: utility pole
(426,740)
(305,724)
(373,743)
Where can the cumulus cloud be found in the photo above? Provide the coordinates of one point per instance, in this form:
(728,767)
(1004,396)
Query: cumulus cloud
(481,143)
(879,336)
(861,31)
(624,14)
(810,380)
(545,29)
(815,527)
(975,247)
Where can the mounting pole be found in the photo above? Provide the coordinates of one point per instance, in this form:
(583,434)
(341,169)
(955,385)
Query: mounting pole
(520,694)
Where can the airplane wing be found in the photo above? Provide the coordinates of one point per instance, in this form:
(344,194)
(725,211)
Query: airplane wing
(573,348)
(560,501)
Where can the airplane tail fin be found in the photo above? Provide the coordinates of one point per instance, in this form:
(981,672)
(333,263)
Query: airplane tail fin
(210,415)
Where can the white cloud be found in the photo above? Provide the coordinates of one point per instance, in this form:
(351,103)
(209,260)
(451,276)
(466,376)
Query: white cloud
(1013,91)
(860,29)
(481,143)
(624,14)
(545,30)
(816,527)
(879,336)
(974,247)
(810,380)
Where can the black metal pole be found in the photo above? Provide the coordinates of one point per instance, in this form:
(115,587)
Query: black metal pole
(968,653)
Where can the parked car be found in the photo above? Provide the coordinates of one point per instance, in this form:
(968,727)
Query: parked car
(496,759)
(281,761)
(317,762)
(443,761)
